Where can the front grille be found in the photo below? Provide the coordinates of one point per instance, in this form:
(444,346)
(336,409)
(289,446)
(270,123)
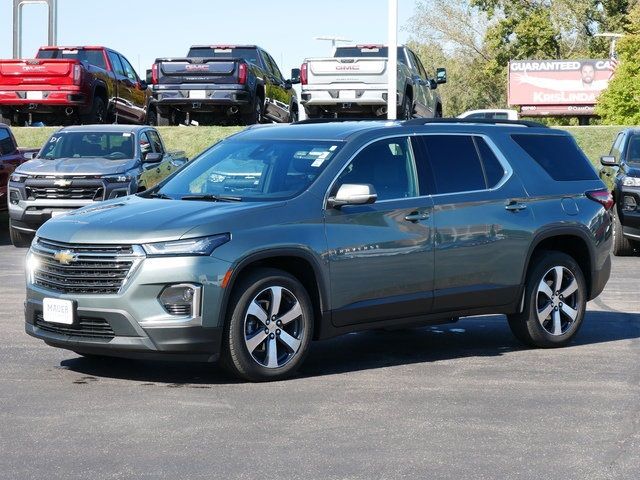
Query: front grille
(87,269)
(84,327)
(65,193)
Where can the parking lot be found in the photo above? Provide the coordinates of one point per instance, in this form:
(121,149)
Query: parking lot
(454,401)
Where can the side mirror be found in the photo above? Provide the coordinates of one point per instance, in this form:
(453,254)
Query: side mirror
(608,161)
(441,75)
(143,85)
(295,76)
(30,155)
(288,85)
(433,84)
(353,194)
(149,77)
(152,157)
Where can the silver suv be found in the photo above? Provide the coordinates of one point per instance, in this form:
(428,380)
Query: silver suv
(280,235)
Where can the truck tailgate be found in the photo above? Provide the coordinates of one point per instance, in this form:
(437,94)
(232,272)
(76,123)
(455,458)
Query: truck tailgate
(347,70)
(188,71)
(36,72)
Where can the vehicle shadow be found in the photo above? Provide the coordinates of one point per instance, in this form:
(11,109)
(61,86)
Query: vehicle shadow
(473,337)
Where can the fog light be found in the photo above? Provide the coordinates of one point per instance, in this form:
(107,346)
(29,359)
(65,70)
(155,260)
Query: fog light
(14,197)
(181,300)
(629,203)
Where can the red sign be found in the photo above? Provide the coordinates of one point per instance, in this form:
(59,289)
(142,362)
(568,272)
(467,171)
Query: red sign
(559,87)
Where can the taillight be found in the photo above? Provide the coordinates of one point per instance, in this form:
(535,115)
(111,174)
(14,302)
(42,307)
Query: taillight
(603,197)
(77,74)
(303,73)
(242,73)
(154,74)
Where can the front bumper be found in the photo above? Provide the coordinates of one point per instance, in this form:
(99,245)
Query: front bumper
(630,218)
(133,323)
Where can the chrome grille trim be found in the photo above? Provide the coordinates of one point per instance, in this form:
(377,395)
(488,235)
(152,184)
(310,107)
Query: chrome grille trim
(97,269)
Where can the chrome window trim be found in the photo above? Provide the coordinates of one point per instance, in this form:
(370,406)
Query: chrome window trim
(494,148)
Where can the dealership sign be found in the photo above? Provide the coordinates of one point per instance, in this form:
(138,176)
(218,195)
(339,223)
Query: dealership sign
(557,87)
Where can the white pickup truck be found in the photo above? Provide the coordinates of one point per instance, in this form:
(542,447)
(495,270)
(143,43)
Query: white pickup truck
(353,83)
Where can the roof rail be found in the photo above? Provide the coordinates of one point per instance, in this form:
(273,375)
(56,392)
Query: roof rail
(309,121)
(486,121)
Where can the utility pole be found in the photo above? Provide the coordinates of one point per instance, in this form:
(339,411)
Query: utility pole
(392,61)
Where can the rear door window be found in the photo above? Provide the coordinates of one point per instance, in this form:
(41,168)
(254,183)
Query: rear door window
(558,155)
(451,161)
(116,64)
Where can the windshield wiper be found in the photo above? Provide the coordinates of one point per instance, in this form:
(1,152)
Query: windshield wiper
(212,198)
(158,195)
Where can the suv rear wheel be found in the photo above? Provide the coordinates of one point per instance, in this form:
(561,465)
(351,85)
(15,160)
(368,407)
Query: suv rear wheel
(554,302)
(270,326)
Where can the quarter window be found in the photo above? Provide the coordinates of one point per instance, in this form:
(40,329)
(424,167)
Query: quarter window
(387,165)
(493,169)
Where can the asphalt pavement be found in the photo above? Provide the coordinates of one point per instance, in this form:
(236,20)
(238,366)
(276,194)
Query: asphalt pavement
(459,401)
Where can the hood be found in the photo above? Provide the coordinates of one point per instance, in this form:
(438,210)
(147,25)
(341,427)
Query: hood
(133,219)
(76,166)
(633,171)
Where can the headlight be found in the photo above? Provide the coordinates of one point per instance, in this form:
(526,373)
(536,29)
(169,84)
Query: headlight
(631,181)
(190,246)
(18,177)
(32,263)
(117,178)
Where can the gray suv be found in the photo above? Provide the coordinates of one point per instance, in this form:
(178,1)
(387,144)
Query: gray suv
(280,235)
(78,166)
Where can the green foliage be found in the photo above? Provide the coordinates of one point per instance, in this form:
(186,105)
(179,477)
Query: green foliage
(620,102)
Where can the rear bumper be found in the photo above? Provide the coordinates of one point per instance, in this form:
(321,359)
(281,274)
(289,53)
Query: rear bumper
(338,97)
(599,278)
(208,99)
(51,100)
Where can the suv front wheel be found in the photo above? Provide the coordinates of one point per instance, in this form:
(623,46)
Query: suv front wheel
(554,302)
(270,326)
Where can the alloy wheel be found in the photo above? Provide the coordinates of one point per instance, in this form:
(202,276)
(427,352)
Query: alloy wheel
(273,327)
(558,300)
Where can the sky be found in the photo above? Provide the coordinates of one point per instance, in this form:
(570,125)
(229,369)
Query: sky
(143,30)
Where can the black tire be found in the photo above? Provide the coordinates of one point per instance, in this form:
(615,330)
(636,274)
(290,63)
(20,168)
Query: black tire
(528,326)
(152,117)
(19,239)
(98,113)
(622,246)
(406,110)
(256,114)
(244,330)
(293,115)
(163,120)
(5,120)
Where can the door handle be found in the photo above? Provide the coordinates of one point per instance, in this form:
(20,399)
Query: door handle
(514,206)
(416,217)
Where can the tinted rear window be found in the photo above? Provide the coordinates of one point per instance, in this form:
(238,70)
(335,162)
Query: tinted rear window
(558,155)
(363,52)
(93,57)
(248,54)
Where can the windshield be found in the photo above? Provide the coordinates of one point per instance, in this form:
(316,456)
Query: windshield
(634,150)
(112,146)
(252,170)
(248,54)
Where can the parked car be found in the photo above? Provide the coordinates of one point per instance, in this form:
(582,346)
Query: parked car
(343,226)
(621,171)
(10,157)
(79,166)
(497,114)
(213,83)
(354,83)
(67,85)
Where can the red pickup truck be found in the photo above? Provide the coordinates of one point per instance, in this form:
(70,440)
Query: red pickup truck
(66,85)
(10,157)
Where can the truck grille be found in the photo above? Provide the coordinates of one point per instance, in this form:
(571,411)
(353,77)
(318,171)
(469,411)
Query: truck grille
(83,269)
(84,327)
(65,193)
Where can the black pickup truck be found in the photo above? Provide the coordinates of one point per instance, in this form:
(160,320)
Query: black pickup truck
(222,83)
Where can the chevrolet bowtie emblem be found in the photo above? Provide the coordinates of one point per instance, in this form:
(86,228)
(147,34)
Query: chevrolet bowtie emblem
(65,257)
(62,183)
